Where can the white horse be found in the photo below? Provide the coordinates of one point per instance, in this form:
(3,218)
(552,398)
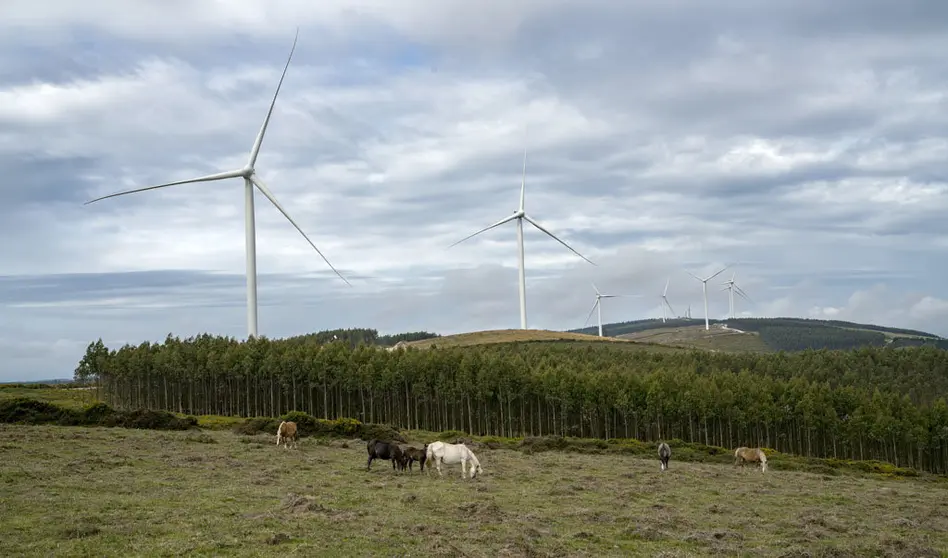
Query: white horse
(449,454)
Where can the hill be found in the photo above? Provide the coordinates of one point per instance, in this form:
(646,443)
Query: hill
(489,337)
(768,334)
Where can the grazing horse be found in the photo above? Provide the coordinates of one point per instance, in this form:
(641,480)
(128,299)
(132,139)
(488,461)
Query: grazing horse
(287,431)
(413,454)
(744,455)
(664,454)
(449,454)
(385,450)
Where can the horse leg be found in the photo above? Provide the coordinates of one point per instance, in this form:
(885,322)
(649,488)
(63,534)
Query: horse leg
(369,464)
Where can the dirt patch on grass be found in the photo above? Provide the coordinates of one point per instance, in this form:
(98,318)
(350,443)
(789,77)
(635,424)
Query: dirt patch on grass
(299,504)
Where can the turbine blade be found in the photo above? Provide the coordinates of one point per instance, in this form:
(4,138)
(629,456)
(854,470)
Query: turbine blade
(497,224)
(255,150)
(718,273)
(523,177)
(669,305)
(551,235)
(695,276)
(266,192)
(591,312)
(665,292)
(594,288)
(208,178)
(741,292)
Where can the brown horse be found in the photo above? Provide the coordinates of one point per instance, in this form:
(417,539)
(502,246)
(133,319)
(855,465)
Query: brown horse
(744,455)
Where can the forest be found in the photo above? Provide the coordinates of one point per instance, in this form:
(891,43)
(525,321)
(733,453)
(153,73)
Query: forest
(794,334)
(870,403)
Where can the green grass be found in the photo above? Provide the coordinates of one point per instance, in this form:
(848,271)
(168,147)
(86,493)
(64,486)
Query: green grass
(118,492)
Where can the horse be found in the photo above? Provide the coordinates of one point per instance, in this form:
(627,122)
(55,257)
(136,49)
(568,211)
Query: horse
(413,454)
(385,450)
(664,454)
(287,431)
(449,454)
(744,455)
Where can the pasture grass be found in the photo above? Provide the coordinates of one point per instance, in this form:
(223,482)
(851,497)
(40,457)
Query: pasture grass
(83,491)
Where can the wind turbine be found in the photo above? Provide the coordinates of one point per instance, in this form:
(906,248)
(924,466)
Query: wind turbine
(704,289)
(665,301)
(598,305)
(730,288)
(249,174)
(520,215)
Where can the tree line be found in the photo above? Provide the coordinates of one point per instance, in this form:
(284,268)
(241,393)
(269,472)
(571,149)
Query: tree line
(872,403)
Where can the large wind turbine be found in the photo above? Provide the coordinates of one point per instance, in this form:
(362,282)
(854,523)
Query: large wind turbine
(248,173)
(704,289)
(730,288)
(665,301)
(598,305)
(520,216)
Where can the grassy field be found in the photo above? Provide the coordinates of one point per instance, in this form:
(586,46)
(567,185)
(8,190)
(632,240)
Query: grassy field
(117,492)
(717,338)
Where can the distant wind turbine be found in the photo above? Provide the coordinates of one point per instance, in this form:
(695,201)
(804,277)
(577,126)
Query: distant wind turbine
(598,306)
(249,174)
(731,288)
(665,301)
(704,289)
(520,215)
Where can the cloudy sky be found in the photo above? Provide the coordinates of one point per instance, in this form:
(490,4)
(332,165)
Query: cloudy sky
(803,141)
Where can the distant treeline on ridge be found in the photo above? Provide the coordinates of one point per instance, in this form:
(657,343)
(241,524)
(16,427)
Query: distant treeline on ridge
(871,403)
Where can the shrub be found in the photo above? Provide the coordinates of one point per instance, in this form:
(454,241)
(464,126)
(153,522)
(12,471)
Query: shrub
(24,410)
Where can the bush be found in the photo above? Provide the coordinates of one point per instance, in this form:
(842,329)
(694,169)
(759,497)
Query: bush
(307,425)
(23,410)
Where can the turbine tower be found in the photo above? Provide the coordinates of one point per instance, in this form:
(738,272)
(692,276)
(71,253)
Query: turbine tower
(520,215)
(704,289)
(731,288)
(598,306)
(249,174)
(665,301)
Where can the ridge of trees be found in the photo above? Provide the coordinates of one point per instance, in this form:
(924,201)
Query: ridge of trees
(872,403)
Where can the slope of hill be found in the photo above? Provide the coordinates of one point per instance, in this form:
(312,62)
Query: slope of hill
(718,338)
(510,336)
(773,334)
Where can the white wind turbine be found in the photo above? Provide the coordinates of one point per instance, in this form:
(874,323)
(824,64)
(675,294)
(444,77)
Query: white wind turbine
(704,289)
(248,173)
(598,306)
(665,301)
(731,288)
(520,216)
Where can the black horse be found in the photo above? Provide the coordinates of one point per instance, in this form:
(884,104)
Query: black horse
(385,450)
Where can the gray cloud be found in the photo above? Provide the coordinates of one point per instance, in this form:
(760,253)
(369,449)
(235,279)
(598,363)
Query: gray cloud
(802,142)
